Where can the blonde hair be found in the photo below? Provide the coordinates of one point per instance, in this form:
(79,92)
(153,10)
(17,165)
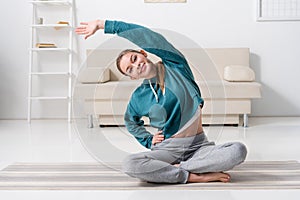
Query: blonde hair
(161,76)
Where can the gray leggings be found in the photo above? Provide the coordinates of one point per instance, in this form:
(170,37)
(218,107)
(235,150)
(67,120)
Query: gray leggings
(195,154)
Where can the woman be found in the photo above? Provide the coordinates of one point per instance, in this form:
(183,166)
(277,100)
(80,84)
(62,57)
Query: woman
(170,98)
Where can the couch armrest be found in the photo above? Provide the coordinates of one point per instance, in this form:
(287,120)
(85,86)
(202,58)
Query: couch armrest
(94,75)
(234,73)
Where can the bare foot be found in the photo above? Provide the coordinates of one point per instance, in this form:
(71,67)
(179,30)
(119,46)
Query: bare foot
(208,177)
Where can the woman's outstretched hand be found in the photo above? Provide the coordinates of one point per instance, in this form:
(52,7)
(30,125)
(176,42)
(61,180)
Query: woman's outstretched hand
(89,28)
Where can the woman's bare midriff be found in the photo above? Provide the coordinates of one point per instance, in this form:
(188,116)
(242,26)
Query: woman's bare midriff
(193,129)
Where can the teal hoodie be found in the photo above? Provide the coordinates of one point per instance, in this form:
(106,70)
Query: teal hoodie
(169,111)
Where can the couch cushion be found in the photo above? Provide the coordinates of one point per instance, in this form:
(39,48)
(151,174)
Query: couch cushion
(94,75)
(111,90)
(229,90)
(238,73)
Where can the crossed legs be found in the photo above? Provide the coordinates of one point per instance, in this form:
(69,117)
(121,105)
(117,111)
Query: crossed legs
(208,164)
(169,165)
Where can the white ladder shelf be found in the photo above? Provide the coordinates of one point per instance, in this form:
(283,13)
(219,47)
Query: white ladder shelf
(68,51)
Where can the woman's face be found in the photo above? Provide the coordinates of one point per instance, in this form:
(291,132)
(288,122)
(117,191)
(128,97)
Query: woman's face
(137,65)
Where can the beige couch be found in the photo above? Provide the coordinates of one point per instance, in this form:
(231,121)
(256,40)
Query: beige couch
(226,81)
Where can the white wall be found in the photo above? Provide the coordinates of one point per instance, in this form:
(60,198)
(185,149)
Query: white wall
(275,46)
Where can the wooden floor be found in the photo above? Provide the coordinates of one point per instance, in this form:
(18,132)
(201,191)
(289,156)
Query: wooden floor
(94,176)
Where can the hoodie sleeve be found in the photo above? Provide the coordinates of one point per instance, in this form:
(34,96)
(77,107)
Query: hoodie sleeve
(135,126)
(146,39)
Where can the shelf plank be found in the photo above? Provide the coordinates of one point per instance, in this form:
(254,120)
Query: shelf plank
(51,73)
(51,26)
(51,3)
(50,49)
(49,98)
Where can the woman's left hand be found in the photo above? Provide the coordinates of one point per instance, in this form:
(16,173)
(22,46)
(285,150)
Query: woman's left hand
(158,138)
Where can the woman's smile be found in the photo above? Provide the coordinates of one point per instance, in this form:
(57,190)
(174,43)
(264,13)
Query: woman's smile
(143,68)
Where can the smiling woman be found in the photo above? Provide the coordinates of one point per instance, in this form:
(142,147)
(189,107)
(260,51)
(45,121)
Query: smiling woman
(171,99)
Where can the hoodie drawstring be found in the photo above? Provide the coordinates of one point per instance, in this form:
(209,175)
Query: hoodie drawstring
(155,94)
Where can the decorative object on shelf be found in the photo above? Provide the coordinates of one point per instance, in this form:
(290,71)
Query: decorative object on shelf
(45,45)
(165,1)
(40,20)
(61,23)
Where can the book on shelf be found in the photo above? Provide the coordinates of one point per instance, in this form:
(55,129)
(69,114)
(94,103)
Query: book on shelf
(45,45)
(64,23)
